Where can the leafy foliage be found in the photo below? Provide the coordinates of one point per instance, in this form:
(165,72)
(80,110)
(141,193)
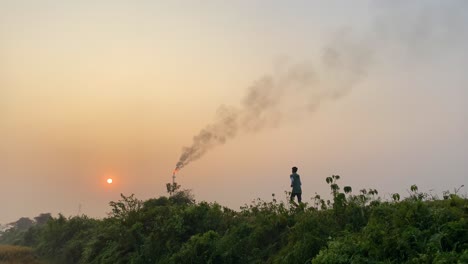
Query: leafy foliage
(17,255)
(347,228)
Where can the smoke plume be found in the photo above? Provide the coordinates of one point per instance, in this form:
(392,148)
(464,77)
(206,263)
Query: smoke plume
(293,91)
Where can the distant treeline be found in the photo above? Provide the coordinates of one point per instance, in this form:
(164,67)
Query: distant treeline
(348,228)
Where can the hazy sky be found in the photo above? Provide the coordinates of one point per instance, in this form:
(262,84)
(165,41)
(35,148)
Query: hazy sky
(98,89)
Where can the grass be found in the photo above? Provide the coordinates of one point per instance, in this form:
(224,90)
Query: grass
(17,255)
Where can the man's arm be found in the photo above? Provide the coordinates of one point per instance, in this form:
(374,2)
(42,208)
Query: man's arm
(292,180)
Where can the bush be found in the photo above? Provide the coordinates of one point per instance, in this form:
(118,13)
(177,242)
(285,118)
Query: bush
(349,228)
(17,255)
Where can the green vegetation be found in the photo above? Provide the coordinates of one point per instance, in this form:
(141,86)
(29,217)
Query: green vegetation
(17,255)
(348,228)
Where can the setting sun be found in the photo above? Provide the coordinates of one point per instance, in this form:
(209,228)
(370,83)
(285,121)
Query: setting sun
(109,180)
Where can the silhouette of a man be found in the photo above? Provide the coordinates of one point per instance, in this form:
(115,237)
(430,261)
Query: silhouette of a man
(296,185)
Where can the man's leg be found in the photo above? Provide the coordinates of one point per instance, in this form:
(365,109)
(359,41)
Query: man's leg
(292,197)
(299,197)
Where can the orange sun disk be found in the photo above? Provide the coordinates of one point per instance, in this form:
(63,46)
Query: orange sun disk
(109,181)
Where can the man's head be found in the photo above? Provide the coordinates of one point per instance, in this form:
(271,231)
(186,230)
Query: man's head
(294,169)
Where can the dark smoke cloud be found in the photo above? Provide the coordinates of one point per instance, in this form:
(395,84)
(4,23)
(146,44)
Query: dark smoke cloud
(293,91)
(288,94)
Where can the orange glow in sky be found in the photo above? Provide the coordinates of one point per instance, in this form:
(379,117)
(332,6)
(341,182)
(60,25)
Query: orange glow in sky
(92,91)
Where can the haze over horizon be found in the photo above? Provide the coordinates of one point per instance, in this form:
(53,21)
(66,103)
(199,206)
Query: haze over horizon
(90,90)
